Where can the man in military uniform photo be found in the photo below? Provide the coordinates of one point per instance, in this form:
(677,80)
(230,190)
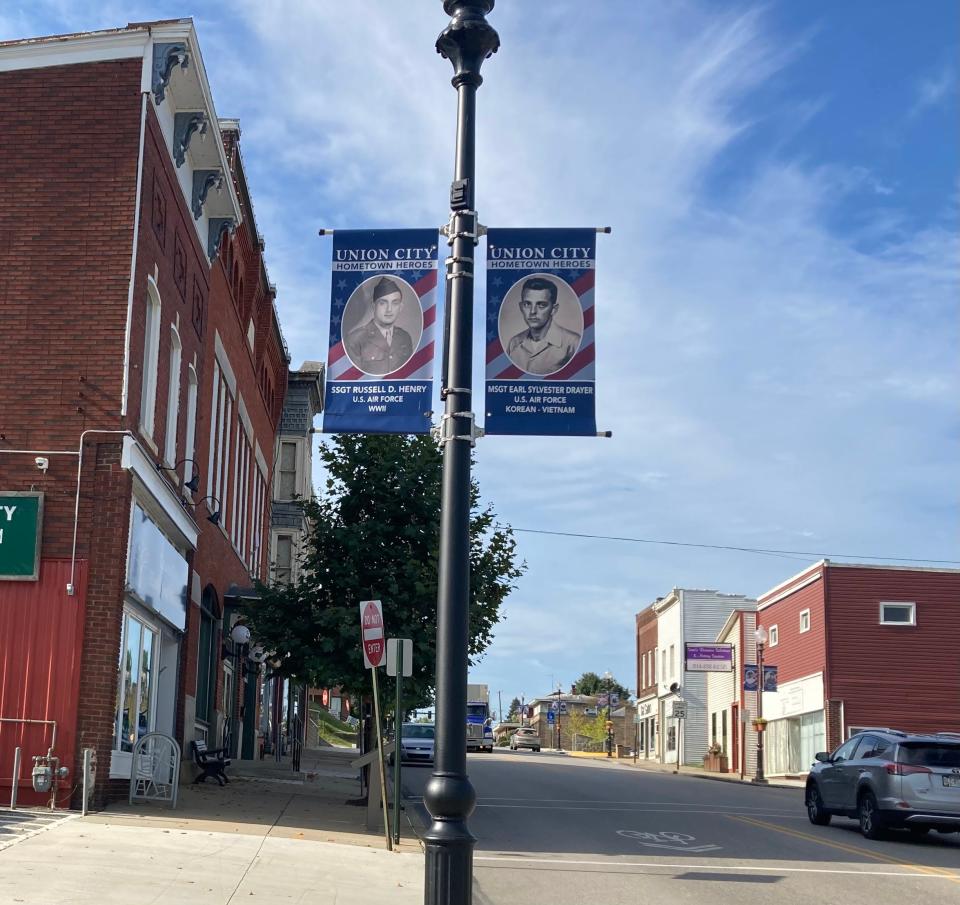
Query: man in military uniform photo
(379,346)
(545,346)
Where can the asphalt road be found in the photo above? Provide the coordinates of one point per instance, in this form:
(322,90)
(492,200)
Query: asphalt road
(555,830)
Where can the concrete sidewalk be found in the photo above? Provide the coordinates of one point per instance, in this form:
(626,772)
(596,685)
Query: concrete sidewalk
(270,836)
(779,782)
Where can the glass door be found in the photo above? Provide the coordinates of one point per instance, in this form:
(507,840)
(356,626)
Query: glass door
(136,687)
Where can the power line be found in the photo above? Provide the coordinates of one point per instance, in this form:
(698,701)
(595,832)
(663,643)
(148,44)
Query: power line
(759,550)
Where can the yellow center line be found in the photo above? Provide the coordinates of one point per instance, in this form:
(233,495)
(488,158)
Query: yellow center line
(851,849)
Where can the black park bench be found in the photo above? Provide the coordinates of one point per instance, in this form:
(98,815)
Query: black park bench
(211,761)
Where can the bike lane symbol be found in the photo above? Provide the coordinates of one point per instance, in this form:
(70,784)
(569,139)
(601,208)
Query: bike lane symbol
(676,842)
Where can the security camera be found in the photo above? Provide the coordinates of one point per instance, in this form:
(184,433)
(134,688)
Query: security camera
(42,462)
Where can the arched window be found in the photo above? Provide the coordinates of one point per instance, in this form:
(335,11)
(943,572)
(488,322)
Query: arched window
(173,398)
(190,467)
(151,355)
(207,659)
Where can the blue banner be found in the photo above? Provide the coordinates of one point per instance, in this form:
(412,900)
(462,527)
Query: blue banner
(540,348)
(383,306)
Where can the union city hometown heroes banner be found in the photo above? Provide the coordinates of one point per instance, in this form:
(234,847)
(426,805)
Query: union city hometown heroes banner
(383,305)
(540,352)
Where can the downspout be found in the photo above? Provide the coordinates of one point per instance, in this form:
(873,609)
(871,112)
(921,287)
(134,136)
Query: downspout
(125,391)
(827,696)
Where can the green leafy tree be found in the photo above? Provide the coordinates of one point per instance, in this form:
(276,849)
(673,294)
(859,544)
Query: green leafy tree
(513,713)
(591,683)
(576,725)
(596,729)
(374,534)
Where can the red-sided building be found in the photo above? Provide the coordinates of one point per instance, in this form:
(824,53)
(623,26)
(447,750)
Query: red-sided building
(139,352)
(646,642)
(858,646)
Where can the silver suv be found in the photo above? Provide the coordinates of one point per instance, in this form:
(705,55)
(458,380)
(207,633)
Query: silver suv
(885,778)
(525,737)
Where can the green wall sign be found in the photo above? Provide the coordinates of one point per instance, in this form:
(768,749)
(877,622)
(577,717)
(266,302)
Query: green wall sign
(21,524)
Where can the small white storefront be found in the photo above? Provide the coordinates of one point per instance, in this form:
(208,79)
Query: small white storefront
(647,727)
(796,729)
(154,610)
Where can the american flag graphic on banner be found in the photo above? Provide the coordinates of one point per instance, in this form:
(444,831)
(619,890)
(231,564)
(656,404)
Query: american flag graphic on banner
(540,353)
(383,307)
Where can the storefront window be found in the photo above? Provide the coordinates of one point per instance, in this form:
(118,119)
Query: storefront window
(135,692)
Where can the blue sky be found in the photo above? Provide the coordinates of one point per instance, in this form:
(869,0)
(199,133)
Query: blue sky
(777,326)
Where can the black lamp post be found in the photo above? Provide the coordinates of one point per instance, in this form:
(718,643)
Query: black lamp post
(761,636)
(559,694)
(609,679)
(449,797)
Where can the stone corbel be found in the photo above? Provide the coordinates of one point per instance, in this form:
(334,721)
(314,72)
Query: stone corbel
(216,227)
(165,57)
(184,127)
(203,181)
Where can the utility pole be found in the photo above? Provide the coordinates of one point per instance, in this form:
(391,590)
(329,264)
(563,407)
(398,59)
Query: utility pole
(499,707)
(449,797)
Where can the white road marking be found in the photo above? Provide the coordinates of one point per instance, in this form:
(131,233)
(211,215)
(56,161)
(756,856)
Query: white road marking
(681,841)
(33,823)
(522,861)
(669,810)
(676,804)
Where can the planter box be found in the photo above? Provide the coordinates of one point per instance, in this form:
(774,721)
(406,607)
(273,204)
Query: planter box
(716,763)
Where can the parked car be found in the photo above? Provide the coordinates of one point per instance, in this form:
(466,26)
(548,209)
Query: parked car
(525,737)
(416,743)
(889,779)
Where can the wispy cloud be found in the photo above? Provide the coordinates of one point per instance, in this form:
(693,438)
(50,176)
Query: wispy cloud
(934,89)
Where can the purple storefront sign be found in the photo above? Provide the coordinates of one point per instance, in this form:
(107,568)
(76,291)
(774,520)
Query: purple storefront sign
(709,657)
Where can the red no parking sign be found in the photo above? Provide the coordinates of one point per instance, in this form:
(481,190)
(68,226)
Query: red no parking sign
(371,627)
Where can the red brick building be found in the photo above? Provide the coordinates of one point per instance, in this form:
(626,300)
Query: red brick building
(646,639)
(858,646)
(141,352)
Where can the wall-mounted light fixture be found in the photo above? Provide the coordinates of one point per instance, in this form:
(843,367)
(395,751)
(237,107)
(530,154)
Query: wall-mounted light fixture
(215,511)
(193,485)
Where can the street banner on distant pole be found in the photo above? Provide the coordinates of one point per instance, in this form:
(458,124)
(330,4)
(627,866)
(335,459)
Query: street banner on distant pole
(540,348)
(382,313)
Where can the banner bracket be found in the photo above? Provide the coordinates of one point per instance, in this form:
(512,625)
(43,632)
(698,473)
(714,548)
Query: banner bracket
(469,220)
(446,391)
(448,429)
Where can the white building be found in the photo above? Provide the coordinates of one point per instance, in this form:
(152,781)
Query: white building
(687,616)
(729,707)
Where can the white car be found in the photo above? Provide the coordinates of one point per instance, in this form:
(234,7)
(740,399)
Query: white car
(525,737)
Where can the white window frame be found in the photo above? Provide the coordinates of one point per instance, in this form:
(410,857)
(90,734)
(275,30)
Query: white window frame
(189,449)
(773,636)
(154,628)
(276,551)
(297,453)
(222,407)
(900,603)
(653,671)
(802,614)
(151,357)
(173,398)
(673,660)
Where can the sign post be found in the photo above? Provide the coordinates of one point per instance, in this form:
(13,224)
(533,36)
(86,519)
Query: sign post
(374,648)
(399,664)
(679,714)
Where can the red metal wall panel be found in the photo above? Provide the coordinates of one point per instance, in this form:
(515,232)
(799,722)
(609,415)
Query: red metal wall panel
(41,633)
(906,677)
(797,653)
